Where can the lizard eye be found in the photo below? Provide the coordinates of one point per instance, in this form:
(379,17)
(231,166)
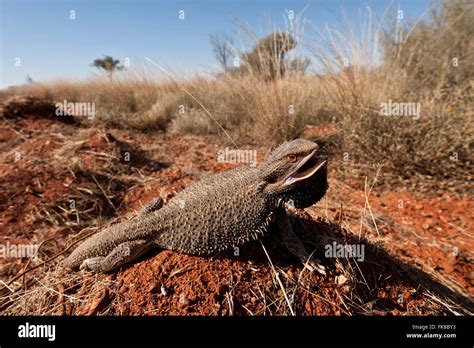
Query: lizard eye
(292,158)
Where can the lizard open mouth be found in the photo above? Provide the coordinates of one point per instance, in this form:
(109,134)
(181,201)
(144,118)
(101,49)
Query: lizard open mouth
(310,165)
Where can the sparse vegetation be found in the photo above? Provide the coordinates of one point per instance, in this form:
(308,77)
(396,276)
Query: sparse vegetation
(259,102)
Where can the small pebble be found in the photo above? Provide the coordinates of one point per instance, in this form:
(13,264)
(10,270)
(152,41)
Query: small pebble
(183,300)
(153,288)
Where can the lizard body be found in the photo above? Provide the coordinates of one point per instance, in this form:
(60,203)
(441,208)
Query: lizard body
(220,212)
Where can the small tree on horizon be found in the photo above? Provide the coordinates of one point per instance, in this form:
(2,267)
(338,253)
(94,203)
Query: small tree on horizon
(29,80)
(268,57)
(222,49)
(109,64)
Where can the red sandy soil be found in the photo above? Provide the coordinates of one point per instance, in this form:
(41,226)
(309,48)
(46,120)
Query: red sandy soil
(418,237)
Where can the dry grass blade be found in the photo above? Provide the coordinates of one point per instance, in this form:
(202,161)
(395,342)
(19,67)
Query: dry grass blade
(278,280)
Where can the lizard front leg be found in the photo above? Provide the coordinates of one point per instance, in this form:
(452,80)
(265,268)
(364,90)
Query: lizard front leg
(120,255)
(294,244)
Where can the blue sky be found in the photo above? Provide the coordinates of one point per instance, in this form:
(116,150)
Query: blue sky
(51,45)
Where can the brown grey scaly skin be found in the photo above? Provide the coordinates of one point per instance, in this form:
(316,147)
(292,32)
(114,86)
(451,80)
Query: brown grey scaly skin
(220,212)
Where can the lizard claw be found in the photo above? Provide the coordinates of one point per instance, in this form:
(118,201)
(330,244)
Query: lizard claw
(91,264)
(314,265)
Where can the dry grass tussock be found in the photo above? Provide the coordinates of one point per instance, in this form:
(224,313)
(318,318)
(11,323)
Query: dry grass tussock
(410,63)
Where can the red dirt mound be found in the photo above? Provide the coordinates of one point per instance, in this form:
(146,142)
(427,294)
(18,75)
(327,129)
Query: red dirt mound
(418,250)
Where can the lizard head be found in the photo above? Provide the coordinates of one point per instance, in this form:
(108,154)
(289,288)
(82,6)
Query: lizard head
(295,172)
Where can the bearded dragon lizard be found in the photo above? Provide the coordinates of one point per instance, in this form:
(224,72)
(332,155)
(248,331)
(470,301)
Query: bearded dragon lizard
(220,212)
